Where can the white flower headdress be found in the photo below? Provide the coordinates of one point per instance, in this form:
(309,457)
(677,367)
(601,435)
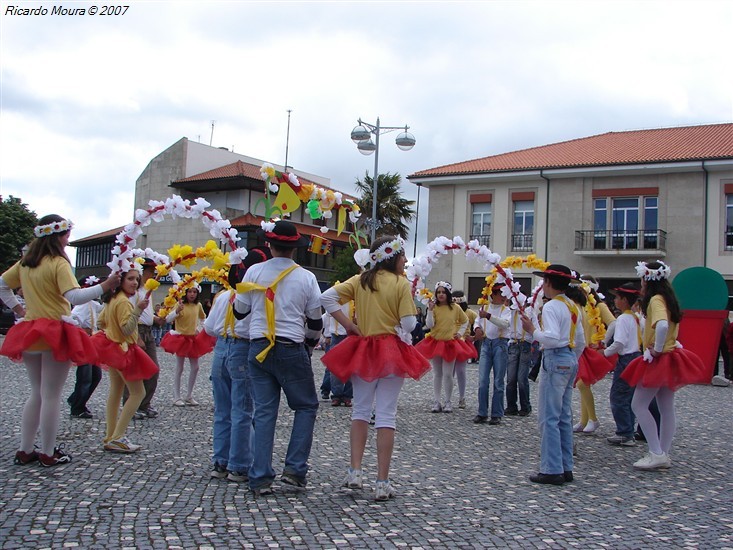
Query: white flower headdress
(51,228)
(662,272)
(445,285)
(387,250)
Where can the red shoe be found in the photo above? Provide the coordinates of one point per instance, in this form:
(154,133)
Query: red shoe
(346,402)
(56,459)
(22,458)
(335,402)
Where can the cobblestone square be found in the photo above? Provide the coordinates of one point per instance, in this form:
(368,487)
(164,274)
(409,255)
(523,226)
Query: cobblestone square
(459,485)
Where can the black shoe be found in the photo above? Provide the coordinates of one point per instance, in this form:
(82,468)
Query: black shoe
(83,414)
(219,471)
(480,419)
(568,476)
(548,479)
(150,412)
(511,412)
(325,395)
(524,413)
(139,415)
(292,479)
(495,421)
(638,436)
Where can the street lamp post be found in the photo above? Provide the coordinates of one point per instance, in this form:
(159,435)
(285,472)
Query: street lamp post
(361,135)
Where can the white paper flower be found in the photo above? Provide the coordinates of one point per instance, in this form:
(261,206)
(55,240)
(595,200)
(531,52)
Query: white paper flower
(361,257)
(267,226)
(237,255)
(274,188)
(293,179)
(324,229)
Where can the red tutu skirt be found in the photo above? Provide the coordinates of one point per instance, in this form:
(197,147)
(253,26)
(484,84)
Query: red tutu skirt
(449,350)
(373,357)
(67,342)
(592,367)
(188,345)
(672,370)
(134,364)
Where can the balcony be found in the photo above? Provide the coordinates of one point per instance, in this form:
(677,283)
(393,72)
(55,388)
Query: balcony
(482,239)
(642,242)
(522,242)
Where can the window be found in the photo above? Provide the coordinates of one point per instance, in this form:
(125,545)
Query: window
(626,223)
(523,233)
(93,255)
(729,222)
(481,222)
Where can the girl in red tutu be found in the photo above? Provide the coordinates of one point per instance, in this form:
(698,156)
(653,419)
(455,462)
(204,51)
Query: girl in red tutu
(378,355)
(187,341)
(592,364)
(46,339)
(444,345)
(664,368)
(127,363)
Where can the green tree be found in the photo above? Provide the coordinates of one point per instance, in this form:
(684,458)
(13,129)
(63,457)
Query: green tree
(16,229)
(344,265)
(393,210)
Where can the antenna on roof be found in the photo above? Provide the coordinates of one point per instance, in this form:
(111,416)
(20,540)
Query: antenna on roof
(211,139)
(287,142)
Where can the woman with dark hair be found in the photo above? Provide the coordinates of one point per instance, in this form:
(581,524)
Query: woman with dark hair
(444,345)
(378,355)
(46,342)
(664,367)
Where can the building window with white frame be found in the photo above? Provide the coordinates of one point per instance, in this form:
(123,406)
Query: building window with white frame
(626,223)
(481,222)
(729,221)
(523,232)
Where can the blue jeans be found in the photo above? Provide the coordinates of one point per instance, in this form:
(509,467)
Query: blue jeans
(87,379)
(338,388)
(494,356)
(517,376)
(559,368)
(287,367)
(621,396)
(233,404)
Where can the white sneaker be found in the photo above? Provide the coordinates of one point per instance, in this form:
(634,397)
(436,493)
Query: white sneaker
(591,426)
(436,407)
(578,427)
(122,445)
(191,402)
(448,407)
(720,381)
(354,479)
(384,491)
(653,461)
(179,403)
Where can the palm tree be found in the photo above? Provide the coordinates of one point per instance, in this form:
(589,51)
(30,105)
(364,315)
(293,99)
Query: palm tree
(392,209)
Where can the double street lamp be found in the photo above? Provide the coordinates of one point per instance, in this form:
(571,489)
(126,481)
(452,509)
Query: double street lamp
(362,136)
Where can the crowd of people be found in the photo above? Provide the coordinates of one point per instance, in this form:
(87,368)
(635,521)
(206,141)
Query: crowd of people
(262,332)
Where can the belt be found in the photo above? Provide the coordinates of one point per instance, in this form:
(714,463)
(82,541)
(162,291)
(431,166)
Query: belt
(235,338)
(515,341)
(278,340)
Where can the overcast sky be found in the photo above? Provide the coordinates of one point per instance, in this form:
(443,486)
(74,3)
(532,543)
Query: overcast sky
(87,101)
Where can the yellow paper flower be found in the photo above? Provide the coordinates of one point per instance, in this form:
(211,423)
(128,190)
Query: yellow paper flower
(151,285)
(162,270)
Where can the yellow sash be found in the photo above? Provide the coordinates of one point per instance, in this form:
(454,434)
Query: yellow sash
(229,319)
(573,318)
(269,306)
(638,326)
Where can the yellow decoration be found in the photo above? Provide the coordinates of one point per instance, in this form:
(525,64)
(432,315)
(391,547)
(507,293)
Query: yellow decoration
(513,263)
(177,291)
(287,200)
(151,285)
(594,316)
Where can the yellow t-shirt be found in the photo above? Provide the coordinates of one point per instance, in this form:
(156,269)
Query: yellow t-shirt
(188,319)
(119,313)
(657,311)
(472,315)
(447,322)
(378,312)
(43,287)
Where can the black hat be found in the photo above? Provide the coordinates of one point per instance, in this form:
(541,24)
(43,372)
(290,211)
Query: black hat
(147,262)
(256,255)
(557,270)
(627,289)
(284,235)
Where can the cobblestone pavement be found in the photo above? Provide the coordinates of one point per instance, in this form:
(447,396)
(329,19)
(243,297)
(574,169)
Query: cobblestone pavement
(459,485)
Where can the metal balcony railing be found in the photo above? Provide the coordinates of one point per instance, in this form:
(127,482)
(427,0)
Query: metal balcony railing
(522,242)
(642,239)
(482,239)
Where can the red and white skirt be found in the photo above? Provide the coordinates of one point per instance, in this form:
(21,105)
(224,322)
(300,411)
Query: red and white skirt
(188,345)
(134,364)
(373,357)
(592,367)
(68,342)
(456,349)
(672,370)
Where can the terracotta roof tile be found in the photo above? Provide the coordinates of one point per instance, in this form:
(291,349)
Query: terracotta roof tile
(687,143)
(235,170)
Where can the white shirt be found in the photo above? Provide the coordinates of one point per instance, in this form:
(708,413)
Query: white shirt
(556,322)
(496,326)
(87,315)
(214,324)
(515,331)
(297,296)
(146,317)
(625,337)
(331,327)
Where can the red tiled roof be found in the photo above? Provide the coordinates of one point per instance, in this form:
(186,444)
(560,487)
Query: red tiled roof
(234,170)
(98,236)
(680,144)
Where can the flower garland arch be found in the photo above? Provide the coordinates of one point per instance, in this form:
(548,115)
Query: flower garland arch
(502,273)
(124,253)
(178,290)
